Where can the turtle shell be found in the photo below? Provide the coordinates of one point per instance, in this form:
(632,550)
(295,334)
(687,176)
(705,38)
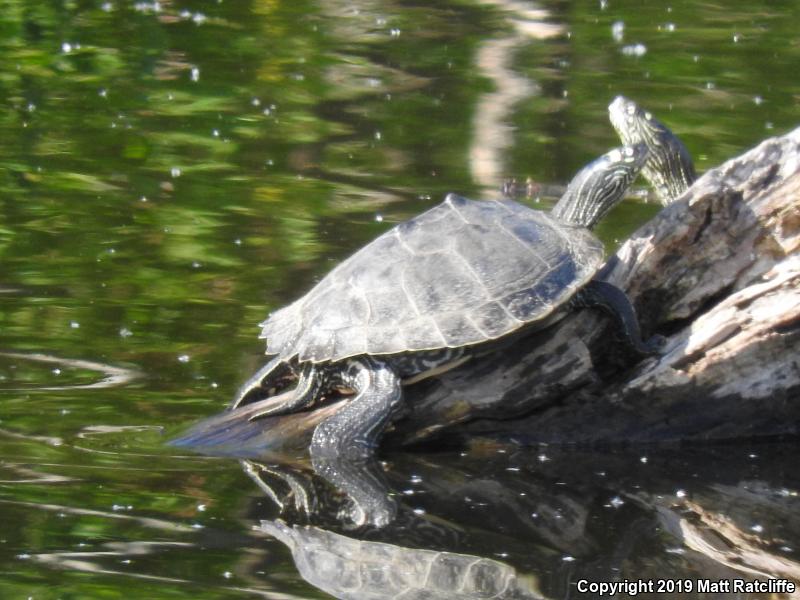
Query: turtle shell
(463,273)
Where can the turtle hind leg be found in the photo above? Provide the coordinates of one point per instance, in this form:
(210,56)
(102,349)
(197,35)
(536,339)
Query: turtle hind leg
(260,381)
(308,388)
(611,299)
(353,431)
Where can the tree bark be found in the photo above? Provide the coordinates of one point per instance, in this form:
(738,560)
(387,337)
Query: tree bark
(718,273)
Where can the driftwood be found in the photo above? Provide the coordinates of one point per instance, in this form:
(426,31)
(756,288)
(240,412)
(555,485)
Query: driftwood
(718,274)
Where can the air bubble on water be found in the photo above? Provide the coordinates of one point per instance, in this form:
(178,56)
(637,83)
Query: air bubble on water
(643,460)
(267,111)
(184,358)
(378,135)
(195,74)
(66,47)
(542,458)
(736,38)
(603,4)
(56,371)
(710,85)
(199,18)
(255,102)
(395,32)
(214,385)
(124,332)
(237,241)
(143,199)
(634,50)
(103,93)
(196,265)
(74,325)
(175,172)
(680,493)
(227,574)
(379,218)
(618,31)
(568,558)
(419,511)
(669,27)
(201,507)
(145,7)
(31,107)
(215,132)
(758,100)
(757,528)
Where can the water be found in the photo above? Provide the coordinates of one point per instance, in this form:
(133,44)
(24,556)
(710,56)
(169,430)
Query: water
(171,172)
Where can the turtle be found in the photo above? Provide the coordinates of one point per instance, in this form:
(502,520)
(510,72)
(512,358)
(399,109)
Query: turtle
(429,294)
(669,169)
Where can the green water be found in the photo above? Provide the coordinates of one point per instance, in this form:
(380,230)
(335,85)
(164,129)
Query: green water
(172,171)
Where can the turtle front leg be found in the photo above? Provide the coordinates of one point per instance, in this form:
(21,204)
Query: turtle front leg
(354,430)
(611,299)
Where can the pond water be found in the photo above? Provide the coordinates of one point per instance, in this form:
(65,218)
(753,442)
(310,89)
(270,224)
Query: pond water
(172,171)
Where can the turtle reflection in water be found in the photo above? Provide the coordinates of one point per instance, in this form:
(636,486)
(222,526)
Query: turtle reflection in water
(348,568)
(434,291)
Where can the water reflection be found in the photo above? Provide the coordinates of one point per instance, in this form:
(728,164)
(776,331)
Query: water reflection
(539,520)
(112,376)
(347,567)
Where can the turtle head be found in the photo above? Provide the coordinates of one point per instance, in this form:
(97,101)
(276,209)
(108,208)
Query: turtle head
(670,168)
(631,122)
(600,185)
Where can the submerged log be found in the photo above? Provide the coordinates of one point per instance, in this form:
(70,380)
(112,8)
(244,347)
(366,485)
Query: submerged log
(717,273)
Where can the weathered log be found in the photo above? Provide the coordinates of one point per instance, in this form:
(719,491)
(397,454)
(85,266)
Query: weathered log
(718,273)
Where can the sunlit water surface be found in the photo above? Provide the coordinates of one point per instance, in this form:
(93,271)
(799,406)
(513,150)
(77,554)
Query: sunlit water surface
(172,171)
